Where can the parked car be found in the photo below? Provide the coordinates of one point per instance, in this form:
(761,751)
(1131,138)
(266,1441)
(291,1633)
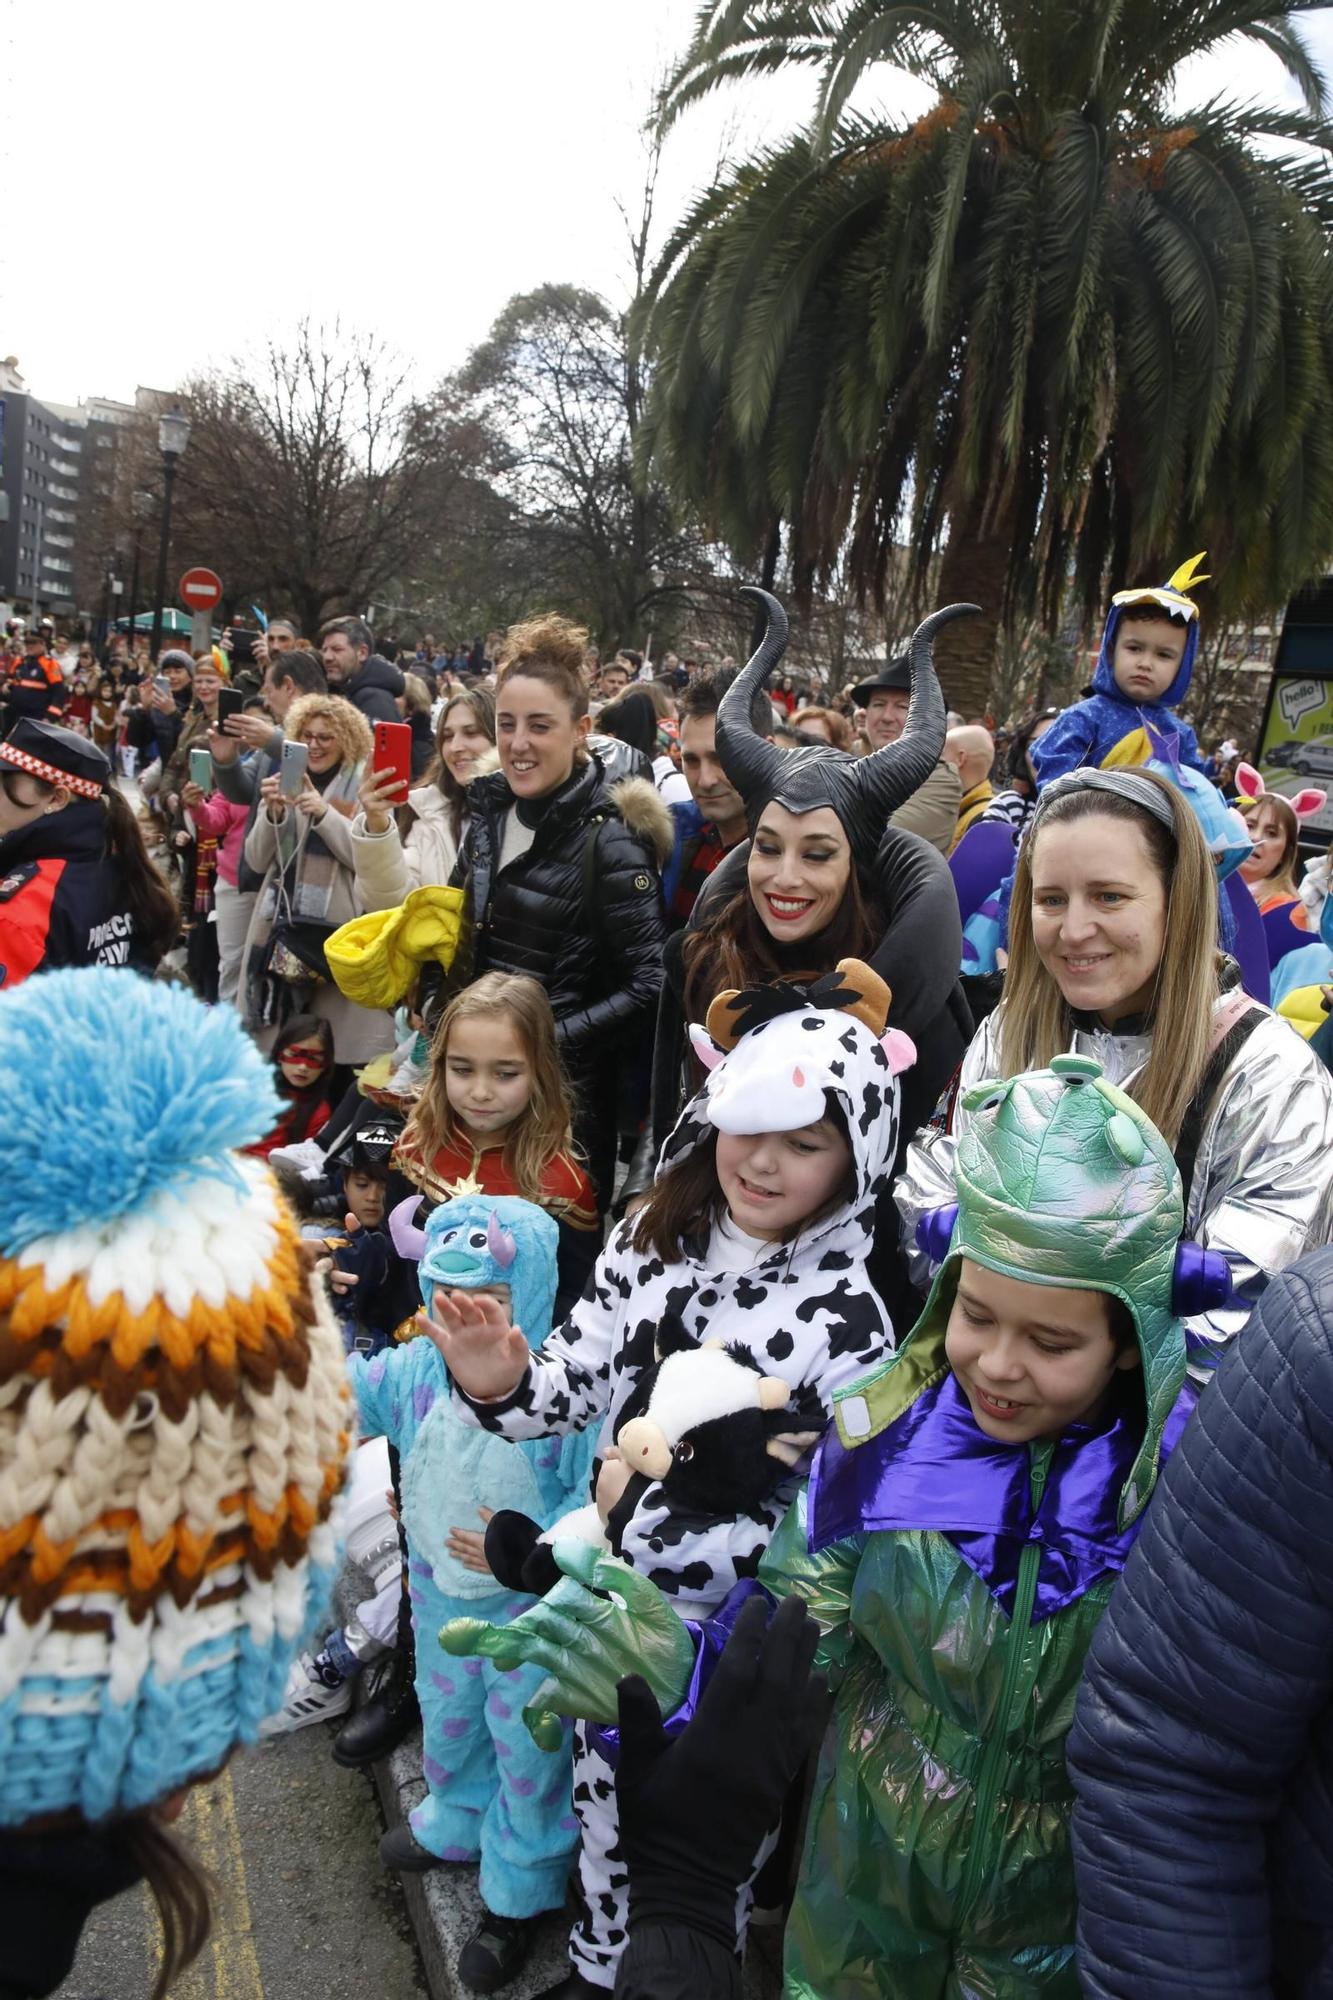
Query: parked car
(1280,756)
(1313,760)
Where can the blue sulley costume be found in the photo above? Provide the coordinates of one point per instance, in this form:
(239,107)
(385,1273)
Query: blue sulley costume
(1107,730)
(492,1792)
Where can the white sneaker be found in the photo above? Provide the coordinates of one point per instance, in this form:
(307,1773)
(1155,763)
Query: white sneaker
(307,1699)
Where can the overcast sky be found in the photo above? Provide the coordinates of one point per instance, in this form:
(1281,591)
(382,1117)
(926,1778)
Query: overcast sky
(406,166)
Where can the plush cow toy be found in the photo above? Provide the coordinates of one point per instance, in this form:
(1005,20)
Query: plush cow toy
(703,1421)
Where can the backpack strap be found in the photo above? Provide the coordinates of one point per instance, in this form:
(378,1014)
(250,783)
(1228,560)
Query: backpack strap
(1233,1024)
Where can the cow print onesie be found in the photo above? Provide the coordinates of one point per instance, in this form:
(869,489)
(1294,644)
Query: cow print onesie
(805,1311)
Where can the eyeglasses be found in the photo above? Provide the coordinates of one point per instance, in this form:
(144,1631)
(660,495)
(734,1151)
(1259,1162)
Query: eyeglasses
(320,742)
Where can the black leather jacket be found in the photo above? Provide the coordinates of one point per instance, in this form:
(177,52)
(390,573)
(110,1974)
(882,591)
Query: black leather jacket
(581,911)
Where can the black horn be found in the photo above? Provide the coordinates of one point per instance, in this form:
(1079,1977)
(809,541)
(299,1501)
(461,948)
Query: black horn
(888,777)
(749,761)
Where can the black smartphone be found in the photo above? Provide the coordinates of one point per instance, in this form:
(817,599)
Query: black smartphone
(230,702)
(242,648)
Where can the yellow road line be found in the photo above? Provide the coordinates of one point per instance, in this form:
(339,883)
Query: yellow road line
(228,1966)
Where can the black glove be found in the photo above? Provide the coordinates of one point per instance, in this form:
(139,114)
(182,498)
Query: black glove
(517,1555)
(694,1809)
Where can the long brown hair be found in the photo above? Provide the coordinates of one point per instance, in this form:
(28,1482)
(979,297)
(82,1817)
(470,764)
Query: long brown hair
(153,909)
(731,948)
(1282,880)
(482,703)
(178,1887)
(1036,1021)
(540,1132)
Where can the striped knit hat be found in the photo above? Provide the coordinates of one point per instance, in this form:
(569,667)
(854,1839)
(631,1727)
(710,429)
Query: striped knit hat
(174,1413)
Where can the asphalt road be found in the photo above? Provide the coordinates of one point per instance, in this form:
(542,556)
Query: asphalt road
(304,1911)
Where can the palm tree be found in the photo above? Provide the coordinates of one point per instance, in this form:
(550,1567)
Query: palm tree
(1051,327)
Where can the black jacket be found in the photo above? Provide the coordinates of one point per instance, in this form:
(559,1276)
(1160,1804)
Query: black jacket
(62,901)
(581,911)
(1202,1748)
(373,689)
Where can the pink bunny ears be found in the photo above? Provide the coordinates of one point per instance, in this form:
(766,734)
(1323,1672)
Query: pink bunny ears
(1305,804)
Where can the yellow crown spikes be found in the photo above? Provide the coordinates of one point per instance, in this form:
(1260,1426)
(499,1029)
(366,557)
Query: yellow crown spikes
(1185,578)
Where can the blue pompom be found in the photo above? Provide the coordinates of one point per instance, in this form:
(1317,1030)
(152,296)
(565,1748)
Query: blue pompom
(113,1088)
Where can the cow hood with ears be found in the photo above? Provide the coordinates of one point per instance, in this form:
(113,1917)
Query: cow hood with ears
(771,1054)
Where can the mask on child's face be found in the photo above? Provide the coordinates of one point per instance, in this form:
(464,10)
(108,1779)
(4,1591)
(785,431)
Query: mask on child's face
(302,1063)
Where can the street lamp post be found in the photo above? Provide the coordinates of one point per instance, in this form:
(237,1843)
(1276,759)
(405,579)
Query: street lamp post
(173,434)
(140,506)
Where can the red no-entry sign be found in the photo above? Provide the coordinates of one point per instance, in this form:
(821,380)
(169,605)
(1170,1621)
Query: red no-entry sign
(201,590)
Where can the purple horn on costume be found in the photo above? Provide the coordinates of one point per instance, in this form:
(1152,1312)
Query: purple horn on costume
(1202,1280)
(408,1240)
(500,1242)
(752,764)
(935,1230)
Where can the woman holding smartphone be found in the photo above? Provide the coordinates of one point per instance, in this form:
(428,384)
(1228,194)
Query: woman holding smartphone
(389,865)
(301,841)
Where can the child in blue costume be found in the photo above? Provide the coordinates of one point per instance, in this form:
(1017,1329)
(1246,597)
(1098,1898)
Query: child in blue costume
(492,1794)
(1143,670)
(1144,667)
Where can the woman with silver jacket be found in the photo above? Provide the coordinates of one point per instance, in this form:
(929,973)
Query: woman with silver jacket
(1113,955)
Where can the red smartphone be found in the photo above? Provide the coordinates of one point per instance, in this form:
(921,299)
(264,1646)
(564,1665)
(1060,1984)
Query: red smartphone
(393,751)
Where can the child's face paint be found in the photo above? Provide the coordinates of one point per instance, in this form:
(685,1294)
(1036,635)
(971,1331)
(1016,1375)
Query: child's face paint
(364,1195)
(1031,1359)
(773,1182)
(302,1063)
(1147,656)
(487,1075)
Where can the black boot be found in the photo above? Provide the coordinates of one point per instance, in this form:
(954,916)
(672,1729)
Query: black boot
(390,1711)
(494,1953)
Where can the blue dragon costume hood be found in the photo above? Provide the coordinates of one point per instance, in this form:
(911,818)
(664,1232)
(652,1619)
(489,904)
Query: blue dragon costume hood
(1108,729)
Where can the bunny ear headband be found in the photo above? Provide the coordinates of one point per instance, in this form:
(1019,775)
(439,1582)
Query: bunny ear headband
(1305,804)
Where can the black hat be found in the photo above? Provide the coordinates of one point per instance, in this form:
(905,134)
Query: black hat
(862,791)
(895,674)
(57,757)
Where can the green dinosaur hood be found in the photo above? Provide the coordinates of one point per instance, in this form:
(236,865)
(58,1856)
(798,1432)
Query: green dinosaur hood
(1061,1180)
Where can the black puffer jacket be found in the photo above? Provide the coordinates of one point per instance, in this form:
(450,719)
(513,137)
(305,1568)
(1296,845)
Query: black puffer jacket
(581,911)
(374,689)
(1202,1749)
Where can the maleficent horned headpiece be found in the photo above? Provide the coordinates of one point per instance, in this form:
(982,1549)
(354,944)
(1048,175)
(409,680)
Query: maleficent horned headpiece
(862,791)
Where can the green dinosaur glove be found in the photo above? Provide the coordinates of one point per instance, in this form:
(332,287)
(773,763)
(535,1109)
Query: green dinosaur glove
(603,1620)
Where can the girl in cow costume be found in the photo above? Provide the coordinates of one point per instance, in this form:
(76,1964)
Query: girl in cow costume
(756,1234)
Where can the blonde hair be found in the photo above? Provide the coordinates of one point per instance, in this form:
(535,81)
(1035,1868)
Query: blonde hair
(1036,1021)
(541,1131)
(1282,881)
(416,694)
(550,649)
(346,723)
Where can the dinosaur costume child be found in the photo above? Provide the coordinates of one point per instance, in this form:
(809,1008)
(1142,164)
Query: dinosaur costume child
(958,1577)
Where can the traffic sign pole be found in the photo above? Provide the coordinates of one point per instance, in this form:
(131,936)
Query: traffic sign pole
(201,590)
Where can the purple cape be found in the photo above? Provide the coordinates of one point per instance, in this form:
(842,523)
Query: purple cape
(935,1468)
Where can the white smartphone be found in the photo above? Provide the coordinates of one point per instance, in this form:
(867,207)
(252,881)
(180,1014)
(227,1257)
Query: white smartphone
(294,758)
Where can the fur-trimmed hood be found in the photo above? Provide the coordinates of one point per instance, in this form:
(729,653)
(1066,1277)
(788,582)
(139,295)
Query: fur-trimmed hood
(646,814)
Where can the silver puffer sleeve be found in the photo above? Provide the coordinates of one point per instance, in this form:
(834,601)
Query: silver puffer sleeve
(1263,1179)
(926,1180)
(1262,1192)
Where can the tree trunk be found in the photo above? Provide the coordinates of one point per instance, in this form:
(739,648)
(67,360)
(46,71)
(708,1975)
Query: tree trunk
(972,571)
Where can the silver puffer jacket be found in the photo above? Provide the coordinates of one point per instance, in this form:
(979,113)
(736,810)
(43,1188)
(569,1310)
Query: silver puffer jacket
(1262,1192)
